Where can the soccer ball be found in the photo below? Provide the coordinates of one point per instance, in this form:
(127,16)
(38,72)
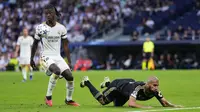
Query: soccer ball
(42,30)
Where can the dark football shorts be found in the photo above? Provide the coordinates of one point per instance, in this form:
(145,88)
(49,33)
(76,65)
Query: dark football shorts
(147,55)
(113,94)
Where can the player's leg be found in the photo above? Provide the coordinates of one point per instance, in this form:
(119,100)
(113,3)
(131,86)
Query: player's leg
(51,85)
(49,65)
(105,83)
(53,79)
(23,68)
(24,73)
(30,69)
(95,93)
(67,74)
(144,62)
(147,58)
(151,65)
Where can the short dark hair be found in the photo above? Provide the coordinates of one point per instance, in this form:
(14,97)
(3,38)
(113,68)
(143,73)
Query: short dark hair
(50,6)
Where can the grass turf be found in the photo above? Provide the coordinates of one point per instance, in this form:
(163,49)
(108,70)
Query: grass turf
(178,87)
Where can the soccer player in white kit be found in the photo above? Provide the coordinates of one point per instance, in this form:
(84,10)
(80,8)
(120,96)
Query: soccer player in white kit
(51,34)
(24,44)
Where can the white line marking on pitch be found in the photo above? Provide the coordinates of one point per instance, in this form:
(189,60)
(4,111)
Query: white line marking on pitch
(160,110)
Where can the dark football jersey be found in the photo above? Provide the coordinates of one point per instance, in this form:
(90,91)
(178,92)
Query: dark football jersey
(135,89)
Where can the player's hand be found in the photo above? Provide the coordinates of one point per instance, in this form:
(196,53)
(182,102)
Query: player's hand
(33,64)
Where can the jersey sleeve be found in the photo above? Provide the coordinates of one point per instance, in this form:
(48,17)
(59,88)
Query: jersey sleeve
(18,41)
(63,33)
(37,36)
(158,95)
(135,92)
(137,87)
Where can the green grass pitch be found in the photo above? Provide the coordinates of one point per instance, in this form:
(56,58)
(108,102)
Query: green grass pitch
(178,87)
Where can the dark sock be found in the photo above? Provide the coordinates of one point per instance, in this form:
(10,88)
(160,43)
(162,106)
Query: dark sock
(48,97)
(97,95)
(107,84)
(93,90)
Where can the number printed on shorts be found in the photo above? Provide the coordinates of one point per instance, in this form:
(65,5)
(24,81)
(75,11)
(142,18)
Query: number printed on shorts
(45,59)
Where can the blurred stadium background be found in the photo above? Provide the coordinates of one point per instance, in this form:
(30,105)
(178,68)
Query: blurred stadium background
(108,34)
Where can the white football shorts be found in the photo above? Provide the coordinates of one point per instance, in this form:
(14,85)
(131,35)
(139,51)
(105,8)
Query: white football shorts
(46,61)
(24,60)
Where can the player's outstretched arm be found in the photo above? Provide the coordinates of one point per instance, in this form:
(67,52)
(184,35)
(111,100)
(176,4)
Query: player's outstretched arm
(132,103)
(33,50)
(165,103)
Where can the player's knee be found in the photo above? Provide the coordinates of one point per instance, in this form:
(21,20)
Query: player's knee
(102,100)
(54,68)
(57,71)
(70,77)
(67,74)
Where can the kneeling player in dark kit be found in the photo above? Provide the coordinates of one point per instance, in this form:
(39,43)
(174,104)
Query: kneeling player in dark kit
(119,91)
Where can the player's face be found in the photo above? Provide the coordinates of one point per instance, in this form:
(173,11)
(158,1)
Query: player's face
(153,87)
(25,32)
(50,14)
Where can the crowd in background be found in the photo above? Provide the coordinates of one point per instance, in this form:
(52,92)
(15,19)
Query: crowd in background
(85,19)
(82,18)
(163,61)
(179,34)
(132,62)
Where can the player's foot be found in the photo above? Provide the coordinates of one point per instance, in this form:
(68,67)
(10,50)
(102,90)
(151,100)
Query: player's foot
(24,80)
(103,84)
(48,102)
(31,77)
(85,78)
(71,102)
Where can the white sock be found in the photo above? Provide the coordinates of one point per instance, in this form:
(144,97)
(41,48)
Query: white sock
(24,73)
(31,71)
(70,90)
(51,85)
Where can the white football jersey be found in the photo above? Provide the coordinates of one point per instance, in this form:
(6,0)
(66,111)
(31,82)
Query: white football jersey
(25,44)
(51,43)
